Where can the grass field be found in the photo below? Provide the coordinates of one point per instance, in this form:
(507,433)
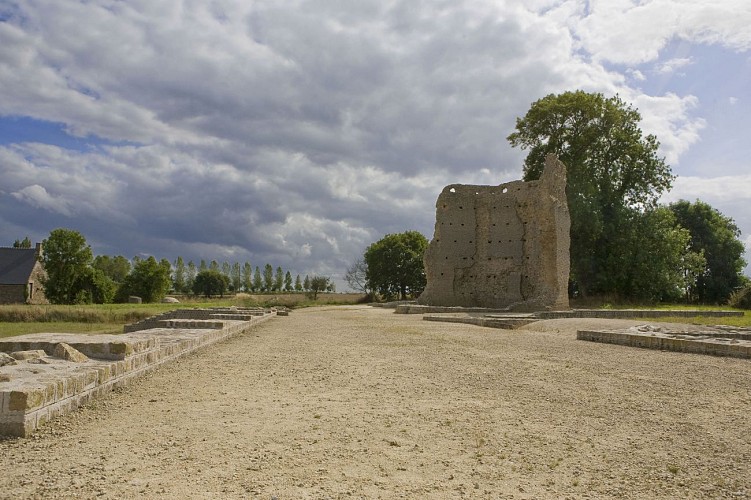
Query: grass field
(21,319)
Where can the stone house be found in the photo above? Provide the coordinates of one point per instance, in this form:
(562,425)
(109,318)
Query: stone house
(21,276)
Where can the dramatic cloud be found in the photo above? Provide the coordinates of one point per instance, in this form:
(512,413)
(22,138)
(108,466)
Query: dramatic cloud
(299,132)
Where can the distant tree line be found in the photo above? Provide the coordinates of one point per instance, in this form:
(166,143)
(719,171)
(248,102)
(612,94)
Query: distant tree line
(75,276)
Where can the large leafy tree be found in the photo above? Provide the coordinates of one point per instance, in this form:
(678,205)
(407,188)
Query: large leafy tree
(149,279)
(394,264)
(116,268)
(654,264)
(95,286)
(319,284)
(67,259)
(210,282)
(718,239)
(614,174)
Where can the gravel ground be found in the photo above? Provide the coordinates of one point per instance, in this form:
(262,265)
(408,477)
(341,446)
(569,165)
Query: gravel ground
(360,402)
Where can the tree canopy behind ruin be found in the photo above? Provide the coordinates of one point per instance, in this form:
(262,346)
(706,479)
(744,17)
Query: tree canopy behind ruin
(614,177)
(717,239)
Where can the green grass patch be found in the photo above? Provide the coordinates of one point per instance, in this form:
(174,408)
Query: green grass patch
(104,313)
(740,321)
(13,329)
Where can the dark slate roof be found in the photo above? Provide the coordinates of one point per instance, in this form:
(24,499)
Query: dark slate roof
(16,265)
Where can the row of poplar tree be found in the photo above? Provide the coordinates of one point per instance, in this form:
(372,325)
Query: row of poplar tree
(240,278)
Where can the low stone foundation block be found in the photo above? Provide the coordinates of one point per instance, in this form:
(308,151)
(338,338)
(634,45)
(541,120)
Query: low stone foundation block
(76,368)
(734,343)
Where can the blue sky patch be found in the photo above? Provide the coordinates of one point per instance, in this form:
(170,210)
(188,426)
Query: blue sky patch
(19,129)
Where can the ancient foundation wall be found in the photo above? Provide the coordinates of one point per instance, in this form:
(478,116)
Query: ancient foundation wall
(729,342)
(50,374)
(200,314)
(503,246)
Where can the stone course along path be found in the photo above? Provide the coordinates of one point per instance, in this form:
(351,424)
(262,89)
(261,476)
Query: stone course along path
(333,402)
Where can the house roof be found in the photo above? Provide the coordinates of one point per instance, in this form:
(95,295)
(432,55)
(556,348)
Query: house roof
(16,265)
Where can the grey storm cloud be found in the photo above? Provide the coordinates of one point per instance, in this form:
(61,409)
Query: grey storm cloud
(293,132)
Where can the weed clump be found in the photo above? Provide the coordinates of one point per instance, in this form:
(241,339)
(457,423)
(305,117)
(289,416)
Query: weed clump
(741,298)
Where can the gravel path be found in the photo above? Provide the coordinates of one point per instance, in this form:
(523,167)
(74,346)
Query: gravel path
(360,402)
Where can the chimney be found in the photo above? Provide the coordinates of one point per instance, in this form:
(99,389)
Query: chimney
(38,250)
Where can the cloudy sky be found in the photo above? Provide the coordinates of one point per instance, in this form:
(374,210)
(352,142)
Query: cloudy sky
(298,132)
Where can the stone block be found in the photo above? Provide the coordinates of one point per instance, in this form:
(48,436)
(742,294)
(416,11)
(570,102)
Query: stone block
(26,400)
(68,353)
(27,355)
(7,359)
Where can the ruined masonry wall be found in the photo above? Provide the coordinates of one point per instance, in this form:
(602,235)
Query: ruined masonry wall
(503,246)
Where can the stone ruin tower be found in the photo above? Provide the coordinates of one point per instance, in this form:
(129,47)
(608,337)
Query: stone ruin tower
(502,247)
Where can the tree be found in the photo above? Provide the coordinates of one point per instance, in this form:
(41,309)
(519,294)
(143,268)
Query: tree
(318,284)
(357,276)
(236,277)
(288,282)
(717,238)
(210,282)
(179,277)
(190,277)
(268,278)
(257,281)
(26,243)
(115,268)
(306,283)
(202,266)
(94,286)
(66,259)
(613,172)
(279,279)
(247,277)
(394,264)
(651,267)
(298,284)
(149,279)
(214,266)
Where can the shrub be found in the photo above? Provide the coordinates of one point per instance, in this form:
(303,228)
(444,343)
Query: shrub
(741,298)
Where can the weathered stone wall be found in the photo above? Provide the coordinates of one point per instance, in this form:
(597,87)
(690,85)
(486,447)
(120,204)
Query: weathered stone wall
(503,246)
(36,290)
